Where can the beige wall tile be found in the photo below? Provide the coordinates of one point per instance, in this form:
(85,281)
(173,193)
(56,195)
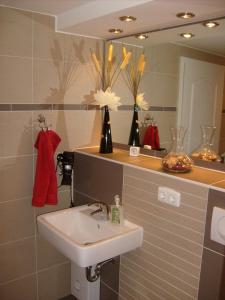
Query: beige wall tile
(165,120)
(166,221)
(123,295)
(168,181)
(21,289)
(76,128)
(54,283)
(175,266)
(15,32)
(121,125)
(15,133)
(143,184)
(138,289)
(17,259)
(161,232)
(136,280)
(63,202)
(47,43)
(163,58)
(47,255)
(149,202)
(15,80)
(83,83)
(156,95)
(173,237)
(72,81)
(16,220)
(174,249)
(74,135)
(163,274)
(47,87)
(121,90)
(16,179)
(150,279)
(78,48)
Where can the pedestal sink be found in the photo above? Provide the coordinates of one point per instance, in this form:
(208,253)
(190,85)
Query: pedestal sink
(88,240)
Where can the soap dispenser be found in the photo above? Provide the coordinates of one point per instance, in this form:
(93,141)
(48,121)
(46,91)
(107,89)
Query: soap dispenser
(117,211)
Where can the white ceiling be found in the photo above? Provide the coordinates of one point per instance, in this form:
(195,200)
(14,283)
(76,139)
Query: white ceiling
(95,17)
(209,40)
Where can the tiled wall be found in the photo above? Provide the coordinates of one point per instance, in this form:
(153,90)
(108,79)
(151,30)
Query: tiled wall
(34,61)
(178,260)
(168,264)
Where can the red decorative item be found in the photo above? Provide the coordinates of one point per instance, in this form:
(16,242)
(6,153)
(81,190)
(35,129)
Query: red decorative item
(151,137)
(45,185)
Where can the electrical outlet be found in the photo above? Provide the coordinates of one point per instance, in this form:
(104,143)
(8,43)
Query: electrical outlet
(169,196)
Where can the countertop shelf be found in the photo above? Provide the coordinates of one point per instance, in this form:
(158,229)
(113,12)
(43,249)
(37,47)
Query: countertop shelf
(199,175)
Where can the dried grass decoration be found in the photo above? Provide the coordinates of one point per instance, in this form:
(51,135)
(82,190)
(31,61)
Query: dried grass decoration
(133,75)
(109,72)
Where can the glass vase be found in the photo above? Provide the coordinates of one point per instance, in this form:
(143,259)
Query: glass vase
(177,160)
(205,151)
(134,139)
(106,137)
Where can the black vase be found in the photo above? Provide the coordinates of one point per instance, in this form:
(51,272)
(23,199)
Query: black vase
(106,137)
(134,139)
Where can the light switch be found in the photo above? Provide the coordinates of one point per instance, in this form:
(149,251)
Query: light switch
(169,196)
(218,225)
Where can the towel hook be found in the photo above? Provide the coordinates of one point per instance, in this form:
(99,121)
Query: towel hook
(42,122)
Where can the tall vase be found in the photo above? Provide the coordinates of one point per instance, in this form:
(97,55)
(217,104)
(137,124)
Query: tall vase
(134,139)
(106,137)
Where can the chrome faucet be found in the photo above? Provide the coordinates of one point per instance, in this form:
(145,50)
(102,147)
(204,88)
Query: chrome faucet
(103,207)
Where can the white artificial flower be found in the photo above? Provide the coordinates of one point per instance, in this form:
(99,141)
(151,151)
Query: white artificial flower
(107,98)
(142,104)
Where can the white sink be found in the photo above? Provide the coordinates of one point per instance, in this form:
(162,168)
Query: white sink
(85,239)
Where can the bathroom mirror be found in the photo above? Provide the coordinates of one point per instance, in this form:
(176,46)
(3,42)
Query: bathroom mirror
(175,84)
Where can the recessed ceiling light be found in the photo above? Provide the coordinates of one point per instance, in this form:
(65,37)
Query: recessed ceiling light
(185,15)
(115,30)
(210,24)
(141,36)
(187,35)
(127,18)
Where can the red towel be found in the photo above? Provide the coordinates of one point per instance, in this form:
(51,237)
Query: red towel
(45,185)
(151,137)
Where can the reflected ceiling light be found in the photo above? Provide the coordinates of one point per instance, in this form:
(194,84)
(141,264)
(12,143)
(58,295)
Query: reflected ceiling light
(210,24)
(185,15)
(187,35)
(115,30)
(141,36)
(127,18)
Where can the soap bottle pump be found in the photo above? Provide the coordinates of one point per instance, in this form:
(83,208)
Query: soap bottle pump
(117,211)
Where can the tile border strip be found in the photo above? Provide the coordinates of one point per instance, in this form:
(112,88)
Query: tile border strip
(55,106)
(5,107)
(31,107)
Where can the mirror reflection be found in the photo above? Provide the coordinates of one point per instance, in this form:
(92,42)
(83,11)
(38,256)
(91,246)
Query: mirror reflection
(183,83)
